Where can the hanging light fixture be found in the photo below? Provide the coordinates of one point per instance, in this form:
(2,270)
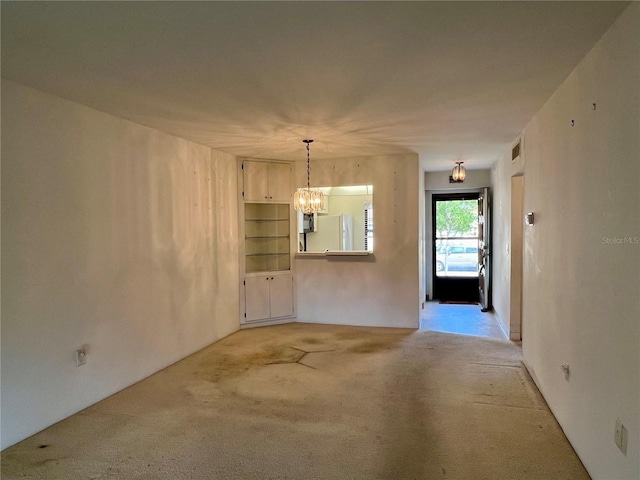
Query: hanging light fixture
(308,200)
(459,173)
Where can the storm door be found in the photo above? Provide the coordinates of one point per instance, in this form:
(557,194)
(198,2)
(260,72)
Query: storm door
(456,247)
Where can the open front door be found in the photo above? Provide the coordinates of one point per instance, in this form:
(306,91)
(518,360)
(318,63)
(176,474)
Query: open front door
(455,247)
(484,250)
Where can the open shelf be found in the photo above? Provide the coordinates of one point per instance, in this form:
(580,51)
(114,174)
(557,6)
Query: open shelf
(267,237)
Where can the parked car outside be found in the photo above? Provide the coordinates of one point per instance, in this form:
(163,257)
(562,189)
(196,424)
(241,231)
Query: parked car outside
(457,258)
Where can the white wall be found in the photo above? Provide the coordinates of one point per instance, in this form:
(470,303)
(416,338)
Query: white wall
(440,181)
(378,290)
(581,291)
(113,235)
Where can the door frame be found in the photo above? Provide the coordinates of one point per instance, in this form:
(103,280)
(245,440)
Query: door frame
(429,264)
(467,286)
(516,267)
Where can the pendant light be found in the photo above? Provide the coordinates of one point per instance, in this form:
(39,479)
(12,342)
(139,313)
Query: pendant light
(308,200)
(459,173)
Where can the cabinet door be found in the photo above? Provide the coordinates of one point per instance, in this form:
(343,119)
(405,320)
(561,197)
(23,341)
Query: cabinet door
(281,295)
(279,182)
(256,298)
(256,181)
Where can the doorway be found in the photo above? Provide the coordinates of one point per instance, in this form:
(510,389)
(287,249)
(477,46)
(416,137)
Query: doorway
(455,248)
(516,267)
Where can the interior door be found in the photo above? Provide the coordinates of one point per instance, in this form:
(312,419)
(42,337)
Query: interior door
(484,252)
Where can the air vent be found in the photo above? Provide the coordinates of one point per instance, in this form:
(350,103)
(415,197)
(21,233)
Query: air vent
(515,151)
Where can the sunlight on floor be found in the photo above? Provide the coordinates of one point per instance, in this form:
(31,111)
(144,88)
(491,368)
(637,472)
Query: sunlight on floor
(460,319)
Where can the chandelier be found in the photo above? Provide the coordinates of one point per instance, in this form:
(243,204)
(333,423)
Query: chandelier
(308,200)
(459,173)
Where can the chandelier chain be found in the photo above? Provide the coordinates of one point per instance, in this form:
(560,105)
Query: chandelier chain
(308,165)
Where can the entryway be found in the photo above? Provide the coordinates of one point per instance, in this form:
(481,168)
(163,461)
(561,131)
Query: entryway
(461,320)
(460,273)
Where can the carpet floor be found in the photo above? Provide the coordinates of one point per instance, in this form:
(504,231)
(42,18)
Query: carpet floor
(304,401)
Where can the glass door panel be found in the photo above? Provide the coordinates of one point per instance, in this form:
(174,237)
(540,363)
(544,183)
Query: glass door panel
(456,238)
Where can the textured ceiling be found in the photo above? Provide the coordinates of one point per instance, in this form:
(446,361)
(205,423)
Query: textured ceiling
(447,80)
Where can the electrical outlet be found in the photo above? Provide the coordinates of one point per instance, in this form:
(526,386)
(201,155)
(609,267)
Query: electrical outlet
(81,357)
(620,436)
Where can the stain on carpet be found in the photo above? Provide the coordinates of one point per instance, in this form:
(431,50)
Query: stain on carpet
(216,366)
(371,347)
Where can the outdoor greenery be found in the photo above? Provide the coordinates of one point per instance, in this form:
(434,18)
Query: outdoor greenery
(456,218)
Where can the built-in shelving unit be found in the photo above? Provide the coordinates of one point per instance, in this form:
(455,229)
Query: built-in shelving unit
(267,237)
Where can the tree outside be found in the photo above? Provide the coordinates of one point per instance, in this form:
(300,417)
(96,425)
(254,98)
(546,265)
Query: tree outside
(456,237)
(456,218)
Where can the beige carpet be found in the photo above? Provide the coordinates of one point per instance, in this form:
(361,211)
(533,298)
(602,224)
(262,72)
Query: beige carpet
(306,401)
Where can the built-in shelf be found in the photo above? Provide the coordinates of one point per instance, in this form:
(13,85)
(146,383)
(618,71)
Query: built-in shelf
(267,237)
(266,243)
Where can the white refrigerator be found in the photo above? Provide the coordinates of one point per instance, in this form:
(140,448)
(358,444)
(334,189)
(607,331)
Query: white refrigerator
(333,232)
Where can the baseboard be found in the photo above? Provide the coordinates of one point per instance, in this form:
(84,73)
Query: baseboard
(501,324)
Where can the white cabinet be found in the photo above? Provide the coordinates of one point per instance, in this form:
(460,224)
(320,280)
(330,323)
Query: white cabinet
(266,181)
(268,296)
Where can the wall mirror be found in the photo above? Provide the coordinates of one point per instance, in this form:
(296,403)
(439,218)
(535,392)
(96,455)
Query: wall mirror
(345,225)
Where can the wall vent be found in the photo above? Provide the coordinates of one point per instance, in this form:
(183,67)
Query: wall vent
(515,151)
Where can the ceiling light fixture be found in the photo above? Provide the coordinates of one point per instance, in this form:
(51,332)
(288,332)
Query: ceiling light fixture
(308,200)
(459,173)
